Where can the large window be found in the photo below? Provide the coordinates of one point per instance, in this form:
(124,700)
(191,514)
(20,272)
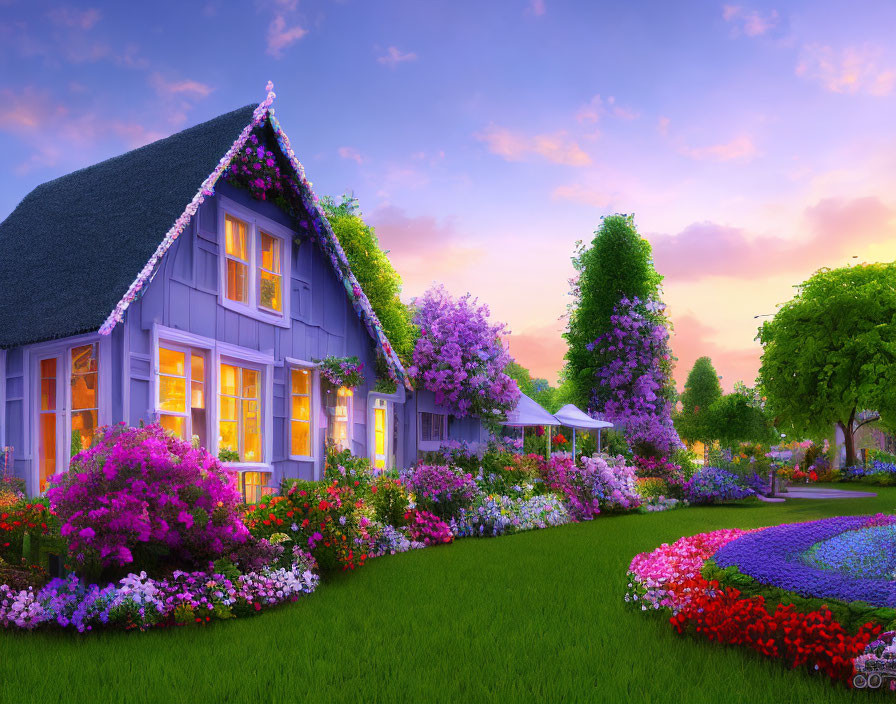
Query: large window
(85,401)
(182,402)
(337,403)
(300,413)
(240,421)
(255,269)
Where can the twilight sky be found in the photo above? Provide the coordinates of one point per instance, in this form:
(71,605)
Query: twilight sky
(754,142)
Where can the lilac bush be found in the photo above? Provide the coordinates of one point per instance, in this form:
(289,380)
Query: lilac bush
(576,484)
(634,369)
(711,485)
(613,482)
(139,496)
(440,489)
(460,357)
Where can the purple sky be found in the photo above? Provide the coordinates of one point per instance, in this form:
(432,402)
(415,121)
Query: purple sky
(754,143)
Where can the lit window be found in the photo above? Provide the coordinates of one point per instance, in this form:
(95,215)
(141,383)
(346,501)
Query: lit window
(237,258)
(182,377)
(85,404)
(240,421)
(379,434)
(255,486)
(48,421)
(338,405)
(269,274)
(300,412)
(433,427)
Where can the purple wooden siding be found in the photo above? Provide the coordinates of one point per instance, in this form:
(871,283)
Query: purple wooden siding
(468,429)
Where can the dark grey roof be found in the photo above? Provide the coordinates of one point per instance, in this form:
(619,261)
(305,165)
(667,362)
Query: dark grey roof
(71,248)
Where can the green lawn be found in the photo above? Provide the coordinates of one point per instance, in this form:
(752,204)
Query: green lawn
(532,617)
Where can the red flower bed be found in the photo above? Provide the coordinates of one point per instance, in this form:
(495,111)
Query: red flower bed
(811,639)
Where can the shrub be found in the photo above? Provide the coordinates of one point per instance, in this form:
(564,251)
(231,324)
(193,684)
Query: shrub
(508,474)
(661,467)
(712,485)
(613,482)
(139,497)
(651,487)
(427,528)
(25,516)
(576,484)
(322,519)
(439,489)
(389,500)
(347,470)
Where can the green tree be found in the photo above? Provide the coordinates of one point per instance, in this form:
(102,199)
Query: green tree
(539,390)
(701,391)
(830,352)
(378,278)
(734,419)
(618,264)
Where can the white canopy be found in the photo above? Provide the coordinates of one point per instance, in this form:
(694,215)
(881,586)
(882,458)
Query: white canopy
(571,416)
(528,413)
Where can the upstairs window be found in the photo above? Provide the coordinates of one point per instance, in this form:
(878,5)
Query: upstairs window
(255,261)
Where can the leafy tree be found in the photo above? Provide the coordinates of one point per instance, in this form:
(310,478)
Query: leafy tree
(617,265)
(733,419)
(378,278)
(539,390)
(830,352)
(701,391)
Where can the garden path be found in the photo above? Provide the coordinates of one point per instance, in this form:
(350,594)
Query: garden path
(809,492)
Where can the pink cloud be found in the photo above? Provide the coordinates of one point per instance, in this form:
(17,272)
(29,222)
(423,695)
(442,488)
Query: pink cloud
(837,228)
(597,107)
(350,153)
(540,350)
(80,19)
(394,56)
(280,36)
(536,7)
(184,87)
(692,339)
(862,69)
(662,125)
(738,149)
(579,193)
(557,147)
(749,22)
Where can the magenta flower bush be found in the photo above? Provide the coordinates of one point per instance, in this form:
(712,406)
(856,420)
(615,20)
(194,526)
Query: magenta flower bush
(427,528)
(576,484)
(139,497)
(633,378)
(460,356)
(440,489)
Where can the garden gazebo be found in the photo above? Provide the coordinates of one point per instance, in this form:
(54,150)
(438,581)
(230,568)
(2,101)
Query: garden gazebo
(529,413)
(573,417)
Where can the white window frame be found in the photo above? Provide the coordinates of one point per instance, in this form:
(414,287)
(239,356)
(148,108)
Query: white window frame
(255,224)
(32,354)
(430,445)
(350,416)
(315,408)
(232,354)
(187,415)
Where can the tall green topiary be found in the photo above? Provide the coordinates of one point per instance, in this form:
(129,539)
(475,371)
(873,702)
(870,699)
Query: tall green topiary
(617,265)
(378,278)
(701,391)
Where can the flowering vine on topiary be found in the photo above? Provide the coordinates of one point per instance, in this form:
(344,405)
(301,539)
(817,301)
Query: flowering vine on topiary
(460,356)
(634,362)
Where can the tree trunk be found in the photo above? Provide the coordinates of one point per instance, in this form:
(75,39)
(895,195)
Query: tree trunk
(849,439)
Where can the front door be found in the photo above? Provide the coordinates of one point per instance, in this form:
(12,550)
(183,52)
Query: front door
(50,403)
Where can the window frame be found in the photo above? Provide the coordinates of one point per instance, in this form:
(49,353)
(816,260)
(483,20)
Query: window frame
(314,422)
(241,356)
(255,225)
(188,351)
(32,354)
(349,413)
(429,445)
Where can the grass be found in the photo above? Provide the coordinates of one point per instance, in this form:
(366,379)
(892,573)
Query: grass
(532,617)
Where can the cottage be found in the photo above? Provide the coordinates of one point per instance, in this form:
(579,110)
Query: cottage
(195,282)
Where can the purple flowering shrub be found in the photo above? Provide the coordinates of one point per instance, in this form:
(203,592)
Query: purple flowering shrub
(577,485)
(460,357)
(613,482)
(140,497)
(712,485)
(440,489)
(634,365)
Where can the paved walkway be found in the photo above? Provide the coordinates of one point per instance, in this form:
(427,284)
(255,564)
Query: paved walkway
(808,492)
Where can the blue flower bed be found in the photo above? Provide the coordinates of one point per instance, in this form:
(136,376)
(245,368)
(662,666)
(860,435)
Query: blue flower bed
(867,552)
(712,485)
(775,556)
